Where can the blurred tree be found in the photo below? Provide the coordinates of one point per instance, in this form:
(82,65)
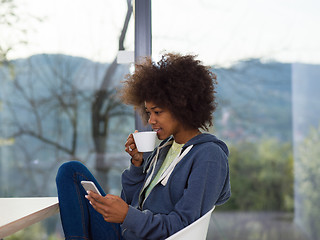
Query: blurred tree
(53,94)
(261,176)
(11,17)
(43,117)
(103,107)
(48,93)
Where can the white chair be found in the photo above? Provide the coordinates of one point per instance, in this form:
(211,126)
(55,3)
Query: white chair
(195,231)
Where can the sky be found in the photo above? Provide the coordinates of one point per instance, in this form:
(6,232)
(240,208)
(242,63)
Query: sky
(219,31)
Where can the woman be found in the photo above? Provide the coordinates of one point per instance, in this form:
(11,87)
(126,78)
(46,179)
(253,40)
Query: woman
(185,176)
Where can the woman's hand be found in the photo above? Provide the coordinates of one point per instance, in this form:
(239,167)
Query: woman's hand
(131,148)
(111,207)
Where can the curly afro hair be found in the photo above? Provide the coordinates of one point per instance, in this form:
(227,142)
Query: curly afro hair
(179,83)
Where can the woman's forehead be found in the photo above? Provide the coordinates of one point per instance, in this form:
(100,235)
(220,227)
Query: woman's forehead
(152,105)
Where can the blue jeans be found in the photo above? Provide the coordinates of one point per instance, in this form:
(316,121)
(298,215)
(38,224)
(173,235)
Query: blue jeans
(78,217)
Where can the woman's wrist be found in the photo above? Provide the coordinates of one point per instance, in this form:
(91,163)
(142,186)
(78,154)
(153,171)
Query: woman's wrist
(137,159)
(137,163)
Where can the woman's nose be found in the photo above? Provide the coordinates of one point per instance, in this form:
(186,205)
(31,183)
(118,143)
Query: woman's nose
(151,119)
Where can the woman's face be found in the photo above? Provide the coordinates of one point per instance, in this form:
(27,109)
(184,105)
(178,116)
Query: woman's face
(162,121)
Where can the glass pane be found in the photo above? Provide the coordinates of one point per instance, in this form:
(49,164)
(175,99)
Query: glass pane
(267,61)
(306,127)
(58,101)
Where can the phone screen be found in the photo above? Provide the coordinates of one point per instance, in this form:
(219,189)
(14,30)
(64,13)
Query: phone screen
(90,186)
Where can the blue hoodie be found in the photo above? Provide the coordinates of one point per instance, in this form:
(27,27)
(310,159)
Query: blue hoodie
(191,186)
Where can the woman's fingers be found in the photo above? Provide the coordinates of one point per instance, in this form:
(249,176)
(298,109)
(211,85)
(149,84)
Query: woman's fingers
(130,144)
(131,149)
(130,140)
(111,207)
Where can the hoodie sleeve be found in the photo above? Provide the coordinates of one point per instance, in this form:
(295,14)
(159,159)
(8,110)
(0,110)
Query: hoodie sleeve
(205,185)
(132,181)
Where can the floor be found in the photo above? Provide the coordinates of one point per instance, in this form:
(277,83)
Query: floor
(253,226)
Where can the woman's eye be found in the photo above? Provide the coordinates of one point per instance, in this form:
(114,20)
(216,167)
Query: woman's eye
(148,113)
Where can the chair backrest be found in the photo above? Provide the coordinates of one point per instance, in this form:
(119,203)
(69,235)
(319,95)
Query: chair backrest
(196,230)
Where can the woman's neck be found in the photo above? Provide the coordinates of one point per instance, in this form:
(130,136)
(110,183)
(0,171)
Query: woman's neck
(185,136)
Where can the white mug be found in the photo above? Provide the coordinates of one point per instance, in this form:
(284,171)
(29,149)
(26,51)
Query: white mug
(145,141)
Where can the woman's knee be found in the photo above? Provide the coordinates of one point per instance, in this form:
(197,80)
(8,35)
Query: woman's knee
(67,170)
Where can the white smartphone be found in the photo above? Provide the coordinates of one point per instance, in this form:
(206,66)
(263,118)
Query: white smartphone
(90,186)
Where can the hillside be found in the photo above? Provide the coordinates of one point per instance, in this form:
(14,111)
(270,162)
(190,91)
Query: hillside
(254,101)
(254,97)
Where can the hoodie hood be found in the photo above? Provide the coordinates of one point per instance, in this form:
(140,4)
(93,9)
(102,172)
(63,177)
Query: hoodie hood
(206,137)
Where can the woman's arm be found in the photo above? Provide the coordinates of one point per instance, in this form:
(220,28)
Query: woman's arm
(132,180)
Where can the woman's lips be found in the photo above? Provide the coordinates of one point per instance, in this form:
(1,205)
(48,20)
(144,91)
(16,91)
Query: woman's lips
(159,132)
(156,130)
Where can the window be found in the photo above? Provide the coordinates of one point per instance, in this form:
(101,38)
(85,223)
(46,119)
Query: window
(266,57)
(58,77)
(55,105)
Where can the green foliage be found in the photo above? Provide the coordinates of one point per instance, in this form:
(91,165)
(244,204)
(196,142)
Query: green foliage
(308,183)
(261,175)
(35,232)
